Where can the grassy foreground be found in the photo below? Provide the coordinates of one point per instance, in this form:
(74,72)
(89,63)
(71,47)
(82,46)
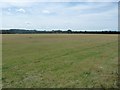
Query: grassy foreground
(0,61)
(60,61)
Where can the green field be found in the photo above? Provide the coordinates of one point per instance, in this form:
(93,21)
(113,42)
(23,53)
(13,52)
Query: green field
(59,61)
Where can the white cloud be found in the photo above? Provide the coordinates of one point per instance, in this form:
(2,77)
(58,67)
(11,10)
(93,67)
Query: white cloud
(28,23)
(21,10)
(46,11)
(16,3)
(62,15)
(19,1)
(29,3)
(59,1)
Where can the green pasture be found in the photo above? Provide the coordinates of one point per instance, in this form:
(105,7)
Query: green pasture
(59,61)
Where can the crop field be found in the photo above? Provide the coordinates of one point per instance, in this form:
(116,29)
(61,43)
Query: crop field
(59,61)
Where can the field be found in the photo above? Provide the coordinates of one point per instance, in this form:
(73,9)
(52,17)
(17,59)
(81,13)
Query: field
(59,61)
(0,61)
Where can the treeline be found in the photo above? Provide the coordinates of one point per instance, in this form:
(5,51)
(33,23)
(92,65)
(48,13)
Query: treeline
(23,31)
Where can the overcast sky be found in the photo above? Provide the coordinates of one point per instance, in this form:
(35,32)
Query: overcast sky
(36,14)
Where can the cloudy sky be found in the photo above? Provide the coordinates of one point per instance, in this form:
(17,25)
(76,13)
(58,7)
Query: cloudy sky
(41,15)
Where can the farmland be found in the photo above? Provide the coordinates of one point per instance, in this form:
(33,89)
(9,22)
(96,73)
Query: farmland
(59,61)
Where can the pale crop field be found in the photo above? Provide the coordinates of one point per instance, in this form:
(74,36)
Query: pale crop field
(59,61)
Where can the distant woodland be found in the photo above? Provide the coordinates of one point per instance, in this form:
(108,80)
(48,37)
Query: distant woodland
(23,31)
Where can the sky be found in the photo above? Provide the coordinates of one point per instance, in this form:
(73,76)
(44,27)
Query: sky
(56,14)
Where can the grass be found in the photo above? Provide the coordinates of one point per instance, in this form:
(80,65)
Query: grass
(0,61)
(60,61)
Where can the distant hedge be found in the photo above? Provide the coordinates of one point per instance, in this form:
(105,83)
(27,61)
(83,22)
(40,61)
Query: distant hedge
(22,31)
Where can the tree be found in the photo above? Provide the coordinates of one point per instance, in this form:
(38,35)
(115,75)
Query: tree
(69,31)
